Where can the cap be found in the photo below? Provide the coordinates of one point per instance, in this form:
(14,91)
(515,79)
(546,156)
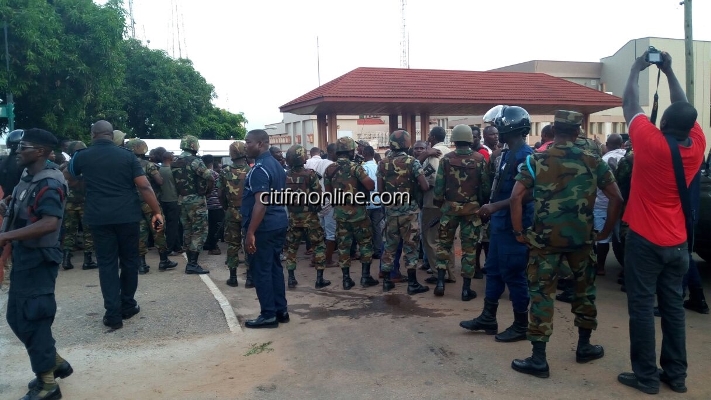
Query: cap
(40,137)
(568,118)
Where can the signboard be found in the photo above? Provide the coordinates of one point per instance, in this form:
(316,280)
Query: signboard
(3,111)
(310,137)
(278,139)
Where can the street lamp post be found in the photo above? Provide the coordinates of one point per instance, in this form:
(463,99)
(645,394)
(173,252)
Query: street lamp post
(10,108)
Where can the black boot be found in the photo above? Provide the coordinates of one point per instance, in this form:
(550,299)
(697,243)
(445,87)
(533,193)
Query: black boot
(192,267)
(467,292)
(347,281)
(248,282)
(697,301)
(517,331)
(320,282)
(88,261)
(387,283)
(233,278)
(143,268)
(365,279)
(439,289)
(535,365)
(67,261)
(587,352)
(486,321)
(165,263)
(292,279)
(414,287)
(567,295)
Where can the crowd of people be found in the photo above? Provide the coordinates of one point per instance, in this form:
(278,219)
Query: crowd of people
(545,218)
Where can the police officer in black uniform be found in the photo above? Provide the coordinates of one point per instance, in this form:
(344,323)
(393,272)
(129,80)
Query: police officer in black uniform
(32,222)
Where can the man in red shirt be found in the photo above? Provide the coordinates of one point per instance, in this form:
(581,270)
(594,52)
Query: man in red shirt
(656,250)
(476,145)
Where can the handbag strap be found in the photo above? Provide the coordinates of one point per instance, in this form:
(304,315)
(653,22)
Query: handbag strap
(683,189)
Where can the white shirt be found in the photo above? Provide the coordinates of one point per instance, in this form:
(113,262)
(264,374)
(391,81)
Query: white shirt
(371,168)
(319,165)
(601,201)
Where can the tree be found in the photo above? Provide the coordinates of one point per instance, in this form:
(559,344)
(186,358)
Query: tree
(221,124)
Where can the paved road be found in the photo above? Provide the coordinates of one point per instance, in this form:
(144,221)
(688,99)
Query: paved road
(357,344)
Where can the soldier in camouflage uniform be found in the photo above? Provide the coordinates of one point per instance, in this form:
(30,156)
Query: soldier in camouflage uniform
(73,215)
(230,186)
(563,181)
(140,149)
(463,183)
(303,215)
(351,217)
(400,174)
(192,181)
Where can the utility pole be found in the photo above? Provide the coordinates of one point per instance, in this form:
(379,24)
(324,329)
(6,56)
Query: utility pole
(689,51)
(10,108)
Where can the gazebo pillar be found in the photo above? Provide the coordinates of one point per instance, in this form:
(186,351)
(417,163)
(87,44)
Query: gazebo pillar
(393,123)
(586,125)
(332,128)
(321,133)
(424,126)
(409,122)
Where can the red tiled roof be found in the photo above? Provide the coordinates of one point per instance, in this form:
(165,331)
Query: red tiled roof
(443,92)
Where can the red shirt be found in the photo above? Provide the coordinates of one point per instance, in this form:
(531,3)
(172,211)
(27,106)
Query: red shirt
(484,153)
(654,208)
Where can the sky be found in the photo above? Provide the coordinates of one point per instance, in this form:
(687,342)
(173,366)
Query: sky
(260,55)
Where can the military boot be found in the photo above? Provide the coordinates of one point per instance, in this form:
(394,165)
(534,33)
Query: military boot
(535,365)
(320,282)
(387,283)
(88,261)
(587,352)
(347,281)
(165,263)
(517,331)
(365,279)
(486,321)
(414,287)
(67,260)
(143,268)
(192,267)
(46,388)
(439,289)
(248,282)
(697,301)
(467,292)
(233,278)
(62,369)
(292,279)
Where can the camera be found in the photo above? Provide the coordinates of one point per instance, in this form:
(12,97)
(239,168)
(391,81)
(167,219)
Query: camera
(654,56)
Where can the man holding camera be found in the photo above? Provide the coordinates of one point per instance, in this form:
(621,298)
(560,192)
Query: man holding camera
(656,250)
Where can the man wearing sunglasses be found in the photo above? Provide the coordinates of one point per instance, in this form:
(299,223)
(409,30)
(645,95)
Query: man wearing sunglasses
(33,218)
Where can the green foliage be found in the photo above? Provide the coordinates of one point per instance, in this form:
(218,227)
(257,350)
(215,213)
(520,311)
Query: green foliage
(256,349)
(70,65)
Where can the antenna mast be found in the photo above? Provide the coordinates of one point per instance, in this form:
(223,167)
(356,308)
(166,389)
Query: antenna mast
(404,43)
(133,21)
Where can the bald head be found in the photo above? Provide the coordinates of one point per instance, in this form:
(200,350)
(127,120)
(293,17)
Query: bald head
(102,128)
(614,142)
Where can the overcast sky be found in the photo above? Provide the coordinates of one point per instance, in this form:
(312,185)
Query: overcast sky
(262,54)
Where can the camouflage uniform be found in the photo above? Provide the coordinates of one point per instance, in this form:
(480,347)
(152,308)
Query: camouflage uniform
(564,181)
(192,181)
(352,219)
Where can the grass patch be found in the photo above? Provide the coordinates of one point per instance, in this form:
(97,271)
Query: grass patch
(258,348)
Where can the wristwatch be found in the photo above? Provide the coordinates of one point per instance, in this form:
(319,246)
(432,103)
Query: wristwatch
(517,233)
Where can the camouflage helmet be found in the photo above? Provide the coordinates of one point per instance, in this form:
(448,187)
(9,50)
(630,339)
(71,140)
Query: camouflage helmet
(190,143)
(72,147)
(345,143)
(238,150)
(138,146)
(118,137)
(462,133)
(400,140)
(296,156)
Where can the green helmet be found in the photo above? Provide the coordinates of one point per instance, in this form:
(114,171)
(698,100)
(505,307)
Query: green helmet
(190,143)
(296,156)
(118,137)
(400,140)
(462,133)
(138,146)
(345,143)
(238,150)
(74,146)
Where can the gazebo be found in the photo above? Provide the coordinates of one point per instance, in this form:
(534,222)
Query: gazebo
(408,92)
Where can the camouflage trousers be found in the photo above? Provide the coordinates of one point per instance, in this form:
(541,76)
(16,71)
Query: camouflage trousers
(544,269)
(405,227)
(193,216)
(145,226)
(234,238)
(469,231)
(314,231)
(362,233)
(73,214)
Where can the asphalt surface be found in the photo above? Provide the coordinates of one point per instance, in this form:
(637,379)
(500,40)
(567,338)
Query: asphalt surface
(357,344)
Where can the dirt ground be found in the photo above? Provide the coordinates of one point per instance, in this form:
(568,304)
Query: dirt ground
(357,344)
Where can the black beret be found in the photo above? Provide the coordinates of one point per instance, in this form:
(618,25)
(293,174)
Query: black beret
(40,137)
